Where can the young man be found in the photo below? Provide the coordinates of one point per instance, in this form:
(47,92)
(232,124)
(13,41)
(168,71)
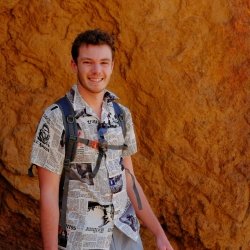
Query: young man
(101,210)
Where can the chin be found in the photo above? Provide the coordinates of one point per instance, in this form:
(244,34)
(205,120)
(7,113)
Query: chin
(96,91)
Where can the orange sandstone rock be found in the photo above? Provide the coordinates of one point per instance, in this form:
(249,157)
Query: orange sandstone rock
(182,67)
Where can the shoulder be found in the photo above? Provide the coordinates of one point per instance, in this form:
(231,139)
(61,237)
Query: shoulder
(111,97)
(126,112)
(124,109)
(52,115)
(126,116)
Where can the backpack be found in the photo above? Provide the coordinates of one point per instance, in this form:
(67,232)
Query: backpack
(71,140)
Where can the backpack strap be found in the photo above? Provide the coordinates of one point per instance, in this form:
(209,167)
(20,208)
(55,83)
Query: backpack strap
(70,126)
(120,114)
(136,192)
(30,170)
(68,115)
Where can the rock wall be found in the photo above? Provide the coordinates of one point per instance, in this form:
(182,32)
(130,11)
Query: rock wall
(182,67)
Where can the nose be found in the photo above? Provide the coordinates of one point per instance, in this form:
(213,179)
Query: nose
(96,67)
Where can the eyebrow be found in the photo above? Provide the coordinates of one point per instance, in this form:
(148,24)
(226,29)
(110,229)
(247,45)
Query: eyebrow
(91,59)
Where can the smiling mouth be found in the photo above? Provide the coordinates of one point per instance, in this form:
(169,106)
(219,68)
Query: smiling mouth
(96,80)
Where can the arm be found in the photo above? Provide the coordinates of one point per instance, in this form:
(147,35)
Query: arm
(146,215)
(49,210)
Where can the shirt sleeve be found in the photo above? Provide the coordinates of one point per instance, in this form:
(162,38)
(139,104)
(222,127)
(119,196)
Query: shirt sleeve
(48,150)
(130,139)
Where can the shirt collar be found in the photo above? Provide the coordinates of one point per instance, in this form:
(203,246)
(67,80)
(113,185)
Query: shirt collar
(78,101)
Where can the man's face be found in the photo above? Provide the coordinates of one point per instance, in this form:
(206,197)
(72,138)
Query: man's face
(94,67)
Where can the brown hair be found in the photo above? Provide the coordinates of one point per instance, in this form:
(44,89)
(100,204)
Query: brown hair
(93,37)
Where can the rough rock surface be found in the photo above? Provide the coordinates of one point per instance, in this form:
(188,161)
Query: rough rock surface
(183,69)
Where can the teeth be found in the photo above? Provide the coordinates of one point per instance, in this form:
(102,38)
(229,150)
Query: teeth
(95,79)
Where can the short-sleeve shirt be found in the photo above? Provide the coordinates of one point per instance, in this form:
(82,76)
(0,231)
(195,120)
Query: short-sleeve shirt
(94,205)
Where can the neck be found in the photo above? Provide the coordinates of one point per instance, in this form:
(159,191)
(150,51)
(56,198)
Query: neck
(94,100)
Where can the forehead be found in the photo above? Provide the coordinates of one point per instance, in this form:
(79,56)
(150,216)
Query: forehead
(95,52)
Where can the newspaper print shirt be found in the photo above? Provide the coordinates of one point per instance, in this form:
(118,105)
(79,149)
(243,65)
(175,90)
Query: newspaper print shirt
(95,205)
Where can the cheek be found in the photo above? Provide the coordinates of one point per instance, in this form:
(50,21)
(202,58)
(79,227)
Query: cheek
(82,70)
(109,71)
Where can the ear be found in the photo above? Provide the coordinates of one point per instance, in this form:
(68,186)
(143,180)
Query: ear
(73,65)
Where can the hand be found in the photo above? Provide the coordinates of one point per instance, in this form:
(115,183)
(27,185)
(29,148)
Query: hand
(163,243)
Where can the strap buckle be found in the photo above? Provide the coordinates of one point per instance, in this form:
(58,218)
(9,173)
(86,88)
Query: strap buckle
(70,118)
(103,146)
(94,144)
(66,162)
(73,138)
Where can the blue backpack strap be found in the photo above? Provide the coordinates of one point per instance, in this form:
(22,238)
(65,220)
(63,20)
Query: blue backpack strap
(70,126)
(120,114)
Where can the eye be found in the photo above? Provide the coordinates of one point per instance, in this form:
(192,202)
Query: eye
(86,62)
(105,63)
